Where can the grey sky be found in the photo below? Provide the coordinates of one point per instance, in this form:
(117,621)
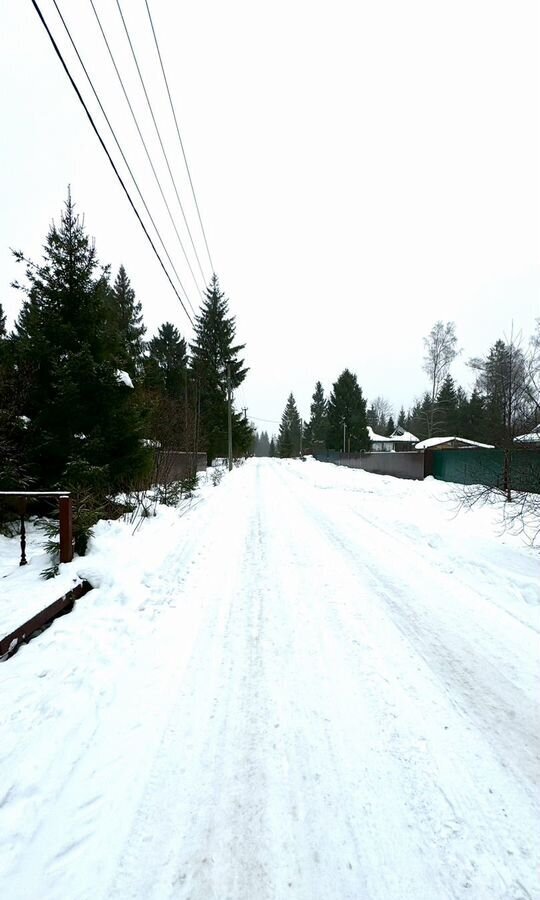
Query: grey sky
(362,168)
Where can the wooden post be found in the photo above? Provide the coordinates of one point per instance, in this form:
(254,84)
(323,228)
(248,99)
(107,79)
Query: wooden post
(66,529)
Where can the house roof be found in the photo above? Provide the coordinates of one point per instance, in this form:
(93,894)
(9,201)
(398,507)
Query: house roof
(399,434)
(530,438)
(437,441)
(376,437)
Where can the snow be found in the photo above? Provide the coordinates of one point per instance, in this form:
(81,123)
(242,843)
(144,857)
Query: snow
(530,438)
(376,437)
(435,441)
(314,683)
(398,435)
(402,435)
(124,378)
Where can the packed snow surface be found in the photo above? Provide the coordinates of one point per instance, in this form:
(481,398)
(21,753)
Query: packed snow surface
(317,684)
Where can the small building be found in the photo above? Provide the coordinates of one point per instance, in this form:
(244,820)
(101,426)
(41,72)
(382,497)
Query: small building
(399,441)
(530,439)
(451,443)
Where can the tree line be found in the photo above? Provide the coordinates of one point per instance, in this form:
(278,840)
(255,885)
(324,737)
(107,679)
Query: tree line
(85,399)
(504,402)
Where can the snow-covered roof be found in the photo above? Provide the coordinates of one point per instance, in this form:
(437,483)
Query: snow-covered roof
(376,437)
(398,435)
(401,435)
(436,441)
(123,378)
(531,437)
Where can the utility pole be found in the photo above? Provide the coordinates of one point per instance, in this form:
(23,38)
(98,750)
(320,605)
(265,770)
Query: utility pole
(229,403)
(301,437)
(344,436)
(244,410)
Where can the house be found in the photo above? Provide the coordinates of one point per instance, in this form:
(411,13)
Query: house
(530,439)
(450,443)
(399,440)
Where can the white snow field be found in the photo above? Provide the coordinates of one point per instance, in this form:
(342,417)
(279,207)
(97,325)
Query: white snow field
(319,684)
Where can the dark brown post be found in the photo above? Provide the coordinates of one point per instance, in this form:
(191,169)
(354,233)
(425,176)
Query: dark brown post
(22,513)
(66,529)
(428,462)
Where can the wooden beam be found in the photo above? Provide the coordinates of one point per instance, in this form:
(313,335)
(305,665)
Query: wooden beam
(11,642)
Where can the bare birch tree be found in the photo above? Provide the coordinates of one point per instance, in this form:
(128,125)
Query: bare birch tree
(441,349)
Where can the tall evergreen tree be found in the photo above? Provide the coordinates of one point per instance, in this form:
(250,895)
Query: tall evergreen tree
(272,448)
(446,418)
(502,380)
(402,422)
(214,353)
(289,430)
(315,434)
(475,426)
(2,323)
(390,428)
(77,408)
(167,362)
(347,406)
(127,324)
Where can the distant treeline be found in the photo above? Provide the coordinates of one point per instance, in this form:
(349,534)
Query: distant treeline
(504,402)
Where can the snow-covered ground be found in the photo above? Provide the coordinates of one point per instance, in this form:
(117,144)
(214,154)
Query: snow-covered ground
(317,684)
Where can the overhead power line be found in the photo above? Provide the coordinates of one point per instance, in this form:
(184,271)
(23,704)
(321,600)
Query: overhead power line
(179,136)
(161,144)
(109,157)
(96,95)
(134,117)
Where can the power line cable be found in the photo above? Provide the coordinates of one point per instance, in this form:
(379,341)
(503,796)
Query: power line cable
(109,157)
(179,136)
(161,144)
(68,32)
(134,117)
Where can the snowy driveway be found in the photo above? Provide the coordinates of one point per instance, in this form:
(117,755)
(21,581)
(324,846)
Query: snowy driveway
(341,702)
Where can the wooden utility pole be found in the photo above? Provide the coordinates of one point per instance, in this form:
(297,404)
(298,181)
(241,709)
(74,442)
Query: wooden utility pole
(229,404)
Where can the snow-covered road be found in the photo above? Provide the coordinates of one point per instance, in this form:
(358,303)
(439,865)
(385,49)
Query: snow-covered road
(340,702)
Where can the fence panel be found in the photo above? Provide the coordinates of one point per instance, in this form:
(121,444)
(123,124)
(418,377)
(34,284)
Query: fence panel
(409,464)
(479,466)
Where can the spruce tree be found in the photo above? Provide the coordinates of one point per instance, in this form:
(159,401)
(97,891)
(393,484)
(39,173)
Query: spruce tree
(462,413)
(2,323)
(390,427)
(272,448)
(77,408)
(214,353)
(446,409)
(317,427)
(289,430)
(127,324)
(475,427)
(167,362)
(347,407)
(402,421)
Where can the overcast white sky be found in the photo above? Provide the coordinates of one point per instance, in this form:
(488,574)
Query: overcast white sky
(363,169)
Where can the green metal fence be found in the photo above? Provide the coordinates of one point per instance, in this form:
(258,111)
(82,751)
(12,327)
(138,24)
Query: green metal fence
(489,467)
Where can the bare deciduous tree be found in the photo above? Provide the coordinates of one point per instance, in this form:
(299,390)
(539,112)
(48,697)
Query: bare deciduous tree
(440,351)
